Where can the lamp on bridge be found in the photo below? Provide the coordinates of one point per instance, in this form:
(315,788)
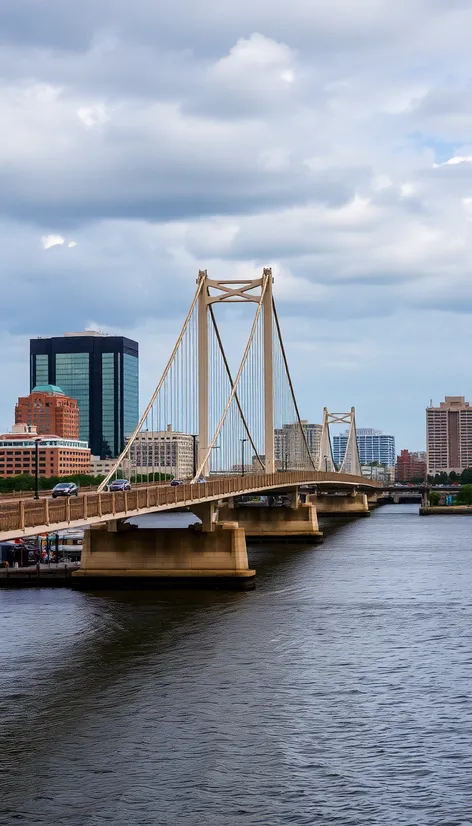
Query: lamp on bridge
(242,455)
(194,437)
(216,447)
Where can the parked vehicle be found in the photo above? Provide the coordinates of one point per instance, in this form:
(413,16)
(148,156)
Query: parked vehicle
(65,489)
(119,484)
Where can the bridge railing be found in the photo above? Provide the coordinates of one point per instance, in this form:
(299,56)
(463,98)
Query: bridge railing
(27,513)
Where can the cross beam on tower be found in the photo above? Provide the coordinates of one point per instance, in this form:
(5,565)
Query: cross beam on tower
(234,292)
(351,462)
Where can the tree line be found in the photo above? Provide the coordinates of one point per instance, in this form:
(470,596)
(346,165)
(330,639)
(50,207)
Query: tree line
(25,482)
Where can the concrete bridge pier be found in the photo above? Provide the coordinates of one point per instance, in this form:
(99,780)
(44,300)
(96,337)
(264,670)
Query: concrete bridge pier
(126,555)
(354,504)
(288,522)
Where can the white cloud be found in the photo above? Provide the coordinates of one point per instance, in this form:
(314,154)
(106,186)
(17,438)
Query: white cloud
(457,159)
(92,117)
(49,241)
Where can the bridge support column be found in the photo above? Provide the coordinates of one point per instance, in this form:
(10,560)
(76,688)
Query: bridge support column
(372,500)
(287,523)
(340,505)
(148,556)
(294,496)
(208,514)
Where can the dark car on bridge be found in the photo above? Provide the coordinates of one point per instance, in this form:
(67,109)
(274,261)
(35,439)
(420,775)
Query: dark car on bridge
(119,484)
(65,489)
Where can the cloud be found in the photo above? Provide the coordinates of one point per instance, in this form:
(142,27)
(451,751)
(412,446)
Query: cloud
(49,241)
(454,161)
(324,139)
(92,117)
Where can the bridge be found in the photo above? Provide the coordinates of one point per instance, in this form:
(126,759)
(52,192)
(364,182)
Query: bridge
(200,402)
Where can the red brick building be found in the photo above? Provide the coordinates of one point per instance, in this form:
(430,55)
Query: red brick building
(50,411)
(410,466)
(57,456)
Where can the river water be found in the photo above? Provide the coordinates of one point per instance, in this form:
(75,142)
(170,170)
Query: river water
(338,692)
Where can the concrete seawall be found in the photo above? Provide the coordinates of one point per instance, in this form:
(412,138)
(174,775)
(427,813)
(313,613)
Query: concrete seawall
(447,510)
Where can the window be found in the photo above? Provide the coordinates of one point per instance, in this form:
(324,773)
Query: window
(108,405)
(130,393)
(42,369)
(72,376)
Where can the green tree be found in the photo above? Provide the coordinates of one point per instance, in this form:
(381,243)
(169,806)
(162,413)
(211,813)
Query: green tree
(434,498)
(466,476)
(464,496)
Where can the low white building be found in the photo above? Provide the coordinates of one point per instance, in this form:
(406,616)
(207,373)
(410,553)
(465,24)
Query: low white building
(164,451)
(379,474)
(101,467)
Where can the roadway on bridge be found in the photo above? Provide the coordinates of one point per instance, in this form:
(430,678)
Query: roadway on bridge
(27,517)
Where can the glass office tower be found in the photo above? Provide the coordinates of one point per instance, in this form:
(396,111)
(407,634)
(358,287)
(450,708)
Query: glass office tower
(102,373)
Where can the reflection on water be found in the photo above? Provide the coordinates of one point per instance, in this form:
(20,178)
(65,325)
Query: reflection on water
(337,692)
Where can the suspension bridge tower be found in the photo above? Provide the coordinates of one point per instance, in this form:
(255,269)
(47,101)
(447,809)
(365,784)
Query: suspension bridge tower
(213,292)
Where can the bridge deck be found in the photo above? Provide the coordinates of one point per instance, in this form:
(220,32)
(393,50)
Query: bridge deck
(28,517)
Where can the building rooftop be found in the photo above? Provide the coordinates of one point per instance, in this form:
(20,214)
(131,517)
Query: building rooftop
(48,388)
(95,333)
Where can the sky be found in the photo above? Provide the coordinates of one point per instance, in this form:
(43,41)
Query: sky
(144,141)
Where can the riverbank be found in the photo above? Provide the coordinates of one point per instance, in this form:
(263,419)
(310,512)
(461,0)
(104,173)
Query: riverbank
(31,577)
(447,510)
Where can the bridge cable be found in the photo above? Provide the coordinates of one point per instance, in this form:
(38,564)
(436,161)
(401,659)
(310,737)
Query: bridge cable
(149,407)
(284,357)
(236,397)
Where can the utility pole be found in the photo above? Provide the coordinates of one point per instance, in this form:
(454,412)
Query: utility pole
(194,437)
(242,455)
(36,467)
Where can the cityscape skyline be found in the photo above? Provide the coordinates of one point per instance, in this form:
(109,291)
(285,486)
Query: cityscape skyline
(338,432)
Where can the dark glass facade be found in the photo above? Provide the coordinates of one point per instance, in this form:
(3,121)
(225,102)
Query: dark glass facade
(102,373)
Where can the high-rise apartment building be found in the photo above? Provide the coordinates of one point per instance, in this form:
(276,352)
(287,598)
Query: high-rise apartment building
(102,373)
(50,411)
(449,435)
(290,447)
(373,446)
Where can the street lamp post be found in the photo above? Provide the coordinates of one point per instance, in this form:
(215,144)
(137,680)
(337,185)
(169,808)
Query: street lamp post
(242,455)
(326,464)
(216,447)
(194,437)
